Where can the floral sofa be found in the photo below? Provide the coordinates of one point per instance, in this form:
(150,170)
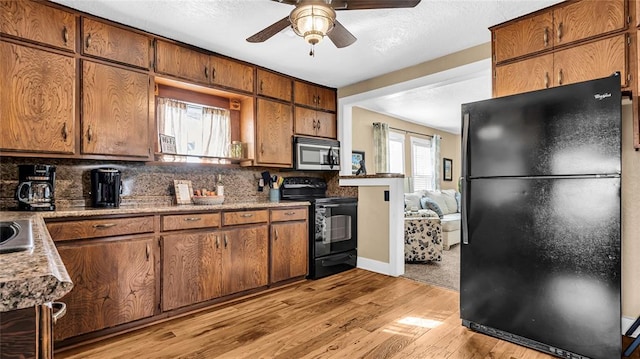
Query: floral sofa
(445,204)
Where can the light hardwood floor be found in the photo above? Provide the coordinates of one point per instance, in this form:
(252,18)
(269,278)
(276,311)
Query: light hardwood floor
(356,314)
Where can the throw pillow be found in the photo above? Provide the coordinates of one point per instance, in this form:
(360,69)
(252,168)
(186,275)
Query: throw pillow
(411,201)
(441,200)
(429,203)
(449,196)
(459,201)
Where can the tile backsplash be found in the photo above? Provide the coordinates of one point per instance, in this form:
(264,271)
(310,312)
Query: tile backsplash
(150,183)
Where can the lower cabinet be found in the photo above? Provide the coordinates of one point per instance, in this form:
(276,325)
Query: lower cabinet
(114,283)
(289,244)
(245,258)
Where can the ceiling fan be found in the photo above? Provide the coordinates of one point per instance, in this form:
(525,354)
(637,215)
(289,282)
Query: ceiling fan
(315,19)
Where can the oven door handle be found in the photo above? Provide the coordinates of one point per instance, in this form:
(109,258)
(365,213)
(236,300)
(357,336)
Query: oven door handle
(337,261)
(336,205)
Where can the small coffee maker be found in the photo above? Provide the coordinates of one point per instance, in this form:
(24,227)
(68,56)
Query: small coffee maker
(36,188)
(106,187)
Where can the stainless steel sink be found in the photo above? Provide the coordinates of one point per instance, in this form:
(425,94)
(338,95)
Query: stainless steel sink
(15,236)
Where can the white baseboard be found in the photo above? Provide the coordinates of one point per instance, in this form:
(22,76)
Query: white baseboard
(626,323)
(374,265)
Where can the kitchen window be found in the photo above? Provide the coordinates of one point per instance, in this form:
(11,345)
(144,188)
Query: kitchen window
(198,130)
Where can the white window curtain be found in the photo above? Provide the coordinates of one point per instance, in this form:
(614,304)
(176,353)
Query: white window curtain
(216,132)
(435,158)
(421,164)
(381,147)
(198,130)
(172,119)
(396,152)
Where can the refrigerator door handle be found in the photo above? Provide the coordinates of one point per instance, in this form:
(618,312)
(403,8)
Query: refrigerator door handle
(463,178)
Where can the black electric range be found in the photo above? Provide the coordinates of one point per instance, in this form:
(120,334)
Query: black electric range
(333,225)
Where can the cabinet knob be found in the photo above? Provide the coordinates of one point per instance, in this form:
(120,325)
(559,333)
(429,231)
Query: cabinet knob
(560,77)
(88,42)
(206,72)
(89,134)
(65,133)
(262,148)
(546,80)
(276,236)
(261,84)
(213,74)
(65,35)
(217,242)
(225,241)
(148,252)
(545,37)
(560,31)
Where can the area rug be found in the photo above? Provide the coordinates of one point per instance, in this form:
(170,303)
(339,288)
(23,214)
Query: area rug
(442,274)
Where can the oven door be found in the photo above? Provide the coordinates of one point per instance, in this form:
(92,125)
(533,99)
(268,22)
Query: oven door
(336,228)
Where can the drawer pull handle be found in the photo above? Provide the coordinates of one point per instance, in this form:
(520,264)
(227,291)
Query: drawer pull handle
(276,234)
(147,252)
(225,241)
(560,77)
(65,35)
(104,225)
(217,242)
(192,219)
(89,134)
(560,32)
(261,83)
(289,213)
(88,44)
(546,37)
(65,132)
(246,215)
(59,309)
(206,73)
(546,80)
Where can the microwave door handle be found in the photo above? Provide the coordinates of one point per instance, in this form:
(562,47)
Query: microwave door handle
(330,157)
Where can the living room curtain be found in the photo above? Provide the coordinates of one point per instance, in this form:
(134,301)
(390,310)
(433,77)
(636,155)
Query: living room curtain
(381,146)
(435,159)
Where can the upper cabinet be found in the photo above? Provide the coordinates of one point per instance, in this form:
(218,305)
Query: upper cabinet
(231,74)
(314,96)
(38,23)
(182,62)
(273,85)
(38,93)
(114,43)
(564,24)
(274,128)
(115,110)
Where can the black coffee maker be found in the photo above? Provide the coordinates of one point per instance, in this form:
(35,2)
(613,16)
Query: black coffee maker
(106,187)
(36,188)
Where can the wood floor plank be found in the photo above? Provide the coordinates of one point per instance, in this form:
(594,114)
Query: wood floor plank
(355,314)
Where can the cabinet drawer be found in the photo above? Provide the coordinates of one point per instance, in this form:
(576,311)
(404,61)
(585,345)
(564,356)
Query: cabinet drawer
(289,214)
(188,221)
(94,228)
(245,217)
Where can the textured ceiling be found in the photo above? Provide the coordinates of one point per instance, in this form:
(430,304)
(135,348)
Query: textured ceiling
(388,39)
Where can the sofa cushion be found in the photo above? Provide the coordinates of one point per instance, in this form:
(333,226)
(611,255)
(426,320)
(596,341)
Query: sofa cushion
(446,202)
(429,203)
(459,201)
(412,201)
(451,222)
(423,213)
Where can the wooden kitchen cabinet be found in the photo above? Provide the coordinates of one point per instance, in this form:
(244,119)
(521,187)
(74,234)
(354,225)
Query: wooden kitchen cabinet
(289,244)
(273,85)
(115,110)
(114,43)
(114,283)
(191,268)
(39,23)
(274,131)
(588,61)
(315,123)
(245,259)
(314,96)
(231,74)
(564,24)
(38,95)
(182,62)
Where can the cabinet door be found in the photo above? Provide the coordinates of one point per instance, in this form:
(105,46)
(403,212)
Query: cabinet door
(245,258)
(289,250)
(37,92)
(114,283)
(304,94)
(523,37)
(326,98)
(584,19)
(306,123)
(39,23)
(523,76)
(327,124)
(274,128)
(181,62)
(114,43)
(114,111)
(233,74)
(274,85)
(191,268)
(591,61)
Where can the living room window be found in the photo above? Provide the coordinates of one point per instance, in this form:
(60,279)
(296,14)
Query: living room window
(396,152)
(421,164)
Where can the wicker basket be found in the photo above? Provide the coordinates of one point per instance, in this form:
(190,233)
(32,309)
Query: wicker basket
(208,200)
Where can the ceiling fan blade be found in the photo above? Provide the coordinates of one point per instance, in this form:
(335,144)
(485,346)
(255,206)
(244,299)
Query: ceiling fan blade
(269,31)
(290,2)
(340,36)
(372,4)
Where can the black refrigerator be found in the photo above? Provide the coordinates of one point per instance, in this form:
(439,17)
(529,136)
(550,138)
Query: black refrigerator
(540,252)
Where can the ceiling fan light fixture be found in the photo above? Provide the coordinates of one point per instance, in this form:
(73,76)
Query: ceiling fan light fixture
(312,22)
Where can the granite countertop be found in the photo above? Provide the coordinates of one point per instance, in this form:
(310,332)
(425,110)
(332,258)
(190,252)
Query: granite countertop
(37,276)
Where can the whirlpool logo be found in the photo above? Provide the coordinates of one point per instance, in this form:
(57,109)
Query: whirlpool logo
(601,96)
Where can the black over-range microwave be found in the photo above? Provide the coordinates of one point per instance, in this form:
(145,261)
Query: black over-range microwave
(316,154)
